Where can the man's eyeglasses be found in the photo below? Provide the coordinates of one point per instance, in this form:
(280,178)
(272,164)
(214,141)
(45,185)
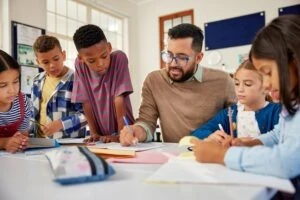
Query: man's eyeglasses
(180,60)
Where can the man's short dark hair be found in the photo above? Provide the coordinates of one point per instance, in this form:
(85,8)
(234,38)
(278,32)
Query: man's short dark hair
(186,31)
(87,36)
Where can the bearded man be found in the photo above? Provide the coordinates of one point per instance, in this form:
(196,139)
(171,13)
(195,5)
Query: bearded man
(183,95)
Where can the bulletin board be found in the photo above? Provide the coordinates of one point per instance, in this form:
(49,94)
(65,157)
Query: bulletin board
(233,32)
(23,37)
(289,10)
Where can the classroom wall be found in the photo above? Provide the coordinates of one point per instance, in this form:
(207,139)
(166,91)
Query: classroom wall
(204,11)
(22,11)
(143,26)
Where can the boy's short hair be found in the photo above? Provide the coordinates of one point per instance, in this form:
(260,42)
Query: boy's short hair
(185,31)
(87,36)
(45,43)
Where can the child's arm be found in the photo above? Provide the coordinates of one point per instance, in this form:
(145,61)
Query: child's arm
(87,109)
(212,125)
(74,120)
(120,107)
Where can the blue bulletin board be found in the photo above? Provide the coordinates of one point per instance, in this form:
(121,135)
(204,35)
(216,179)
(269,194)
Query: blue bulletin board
(289,10)
(233,32)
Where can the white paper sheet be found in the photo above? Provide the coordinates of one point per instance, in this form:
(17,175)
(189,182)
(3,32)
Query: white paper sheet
(138,147)
(189,171)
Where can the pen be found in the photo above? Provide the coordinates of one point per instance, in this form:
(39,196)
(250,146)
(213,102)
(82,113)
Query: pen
(221,127)
(129,128)
(230,121)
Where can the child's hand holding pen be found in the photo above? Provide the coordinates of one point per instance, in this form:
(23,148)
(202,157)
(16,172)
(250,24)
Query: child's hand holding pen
(219,136)
(50,128)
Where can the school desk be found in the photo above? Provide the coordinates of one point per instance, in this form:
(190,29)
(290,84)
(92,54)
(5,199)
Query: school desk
(30,177)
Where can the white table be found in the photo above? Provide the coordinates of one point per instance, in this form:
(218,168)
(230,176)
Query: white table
(30,177)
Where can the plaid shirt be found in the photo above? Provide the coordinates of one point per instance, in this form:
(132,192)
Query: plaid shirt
(59,106)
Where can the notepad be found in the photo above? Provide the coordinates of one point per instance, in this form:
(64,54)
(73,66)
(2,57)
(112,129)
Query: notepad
(41,143)
(107,153)
(190,171)
(145,157)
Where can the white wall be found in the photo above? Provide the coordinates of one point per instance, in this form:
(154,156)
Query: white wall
(33,12)
(204,11)
(143,26)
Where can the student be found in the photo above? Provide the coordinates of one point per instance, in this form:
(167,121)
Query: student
(183,95)
(274,53)
(56,115)
(102,84)
(14,107)
(251,116)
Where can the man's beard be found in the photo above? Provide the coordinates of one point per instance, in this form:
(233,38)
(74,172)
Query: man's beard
(184,77)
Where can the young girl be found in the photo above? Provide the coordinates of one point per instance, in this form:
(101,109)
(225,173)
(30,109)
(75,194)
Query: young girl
(14,107)
(252,115)
(275,53)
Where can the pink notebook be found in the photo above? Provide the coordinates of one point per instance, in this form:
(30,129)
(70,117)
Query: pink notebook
(145,157)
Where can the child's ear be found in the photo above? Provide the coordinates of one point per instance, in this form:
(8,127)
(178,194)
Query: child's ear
(64,54)
(109,47)
(79,58)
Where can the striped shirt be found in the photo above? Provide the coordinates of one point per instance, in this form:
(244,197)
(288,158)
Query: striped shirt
(13,115)
(101,89)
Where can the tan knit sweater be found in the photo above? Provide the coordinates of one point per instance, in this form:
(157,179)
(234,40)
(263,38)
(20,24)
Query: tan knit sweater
(182,107)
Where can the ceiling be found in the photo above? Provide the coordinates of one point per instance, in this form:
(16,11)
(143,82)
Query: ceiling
(138,2)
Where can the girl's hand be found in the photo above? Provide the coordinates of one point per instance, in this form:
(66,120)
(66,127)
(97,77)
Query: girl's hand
(18,142)
(218,136)
(209,151)
(51,128)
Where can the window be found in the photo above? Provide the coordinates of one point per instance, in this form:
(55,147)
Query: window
(65,16)
(168,21)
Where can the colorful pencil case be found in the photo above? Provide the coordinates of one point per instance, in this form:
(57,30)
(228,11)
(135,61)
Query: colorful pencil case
(71,165)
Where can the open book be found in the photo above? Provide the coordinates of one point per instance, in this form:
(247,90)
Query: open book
(190,171)
(41,143)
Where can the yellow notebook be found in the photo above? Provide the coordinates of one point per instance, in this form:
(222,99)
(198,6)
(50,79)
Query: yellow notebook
(107,153)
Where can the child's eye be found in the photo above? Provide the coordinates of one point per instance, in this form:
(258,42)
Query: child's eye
(236,84)
(91,61)
(16,82)
(104,57)
(248,85)
(2,86)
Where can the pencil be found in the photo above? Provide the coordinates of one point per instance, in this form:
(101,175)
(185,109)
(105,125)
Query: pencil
(230,121)
(35,122)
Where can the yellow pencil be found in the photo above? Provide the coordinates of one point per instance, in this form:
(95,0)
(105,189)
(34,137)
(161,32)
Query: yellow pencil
(35,122)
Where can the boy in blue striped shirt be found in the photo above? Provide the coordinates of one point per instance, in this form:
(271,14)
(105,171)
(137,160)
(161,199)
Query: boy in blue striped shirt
(55,114)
